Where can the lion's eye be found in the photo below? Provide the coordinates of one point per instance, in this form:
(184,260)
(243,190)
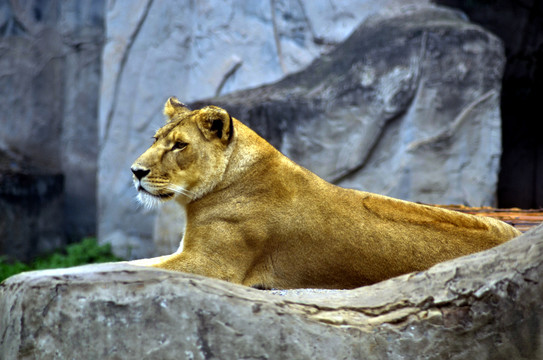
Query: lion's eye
(179,145)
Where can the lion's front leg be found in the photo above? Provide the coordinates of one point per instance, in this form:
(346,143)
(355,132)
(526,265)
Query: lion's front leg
(193,263)
(150,261)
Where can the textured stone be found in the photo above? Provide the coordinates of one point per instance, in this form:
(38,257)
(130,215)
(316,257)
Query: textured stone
(483,306)
(49,75)
(30,215)
(195,50)
(408,107)
(168,228)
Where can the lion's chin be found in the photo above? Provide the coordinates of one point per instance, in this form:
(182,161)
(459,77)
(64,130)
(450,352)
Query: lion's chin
(152,201)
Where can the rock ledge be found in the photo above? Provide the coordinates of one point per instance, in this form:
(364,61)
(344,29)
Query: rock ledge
(483,306)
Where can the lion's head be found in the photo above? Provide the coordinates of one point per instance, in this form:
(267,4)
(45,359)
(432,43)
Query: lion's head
(189,155)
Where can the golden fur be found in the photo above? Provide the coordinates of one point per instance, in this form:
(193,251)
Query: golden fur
(256,218)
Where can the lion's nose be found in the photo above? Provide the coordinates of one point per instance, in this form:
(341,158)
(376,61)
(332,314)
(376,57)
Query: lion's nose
(139,173)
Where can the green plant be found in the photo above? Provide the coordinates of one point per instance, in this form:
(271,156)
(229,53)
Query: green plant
(7,269)
(88,251)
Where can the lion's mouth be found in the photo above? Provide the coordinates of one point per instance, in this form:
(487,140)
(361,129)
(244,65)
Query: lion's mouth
(166,196)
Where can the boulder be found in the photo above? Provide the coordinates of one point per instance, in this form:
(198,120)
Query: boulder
(482,306)
(195,50)
(407,106)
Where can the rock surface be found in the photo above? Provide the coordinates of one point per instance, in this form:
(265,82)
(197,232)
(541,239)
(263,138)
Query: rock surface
(31,215)
(194,50)
(49,76)
(408,107)
(483,306)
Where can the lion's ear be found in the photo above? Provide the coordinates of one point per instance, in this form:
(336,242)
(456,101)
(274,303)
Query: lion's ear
(173,106)
(216,123)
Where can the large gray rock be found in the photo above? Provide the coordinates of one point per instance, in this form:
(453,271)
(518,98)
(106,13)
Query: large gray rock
(483,306)
(194,50)
(50,72)
(408,107)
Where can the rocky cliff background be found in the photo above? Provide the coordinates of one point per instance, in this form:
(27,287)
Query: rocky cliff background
(83,83)
(196,50)
(50,68)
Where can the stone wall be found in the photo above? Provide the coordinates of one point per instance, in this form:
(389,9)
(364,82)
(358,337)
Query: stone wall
(407,106)
(196,50)
(31,219)
(50,73)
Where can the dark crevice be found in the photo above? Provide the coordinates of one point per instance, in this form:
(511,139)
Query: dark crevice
(520,182)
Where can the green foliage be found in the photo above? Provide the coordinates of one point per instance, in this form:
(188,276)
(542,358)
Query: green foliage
(85,252)
(7,270)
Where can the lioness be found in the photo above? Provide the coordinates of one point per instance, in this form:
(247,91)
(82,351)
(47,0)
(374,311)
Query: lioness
(256,218)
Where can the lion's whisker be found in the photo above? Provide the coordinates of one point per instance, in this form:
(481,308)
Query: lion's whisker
(181,191)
